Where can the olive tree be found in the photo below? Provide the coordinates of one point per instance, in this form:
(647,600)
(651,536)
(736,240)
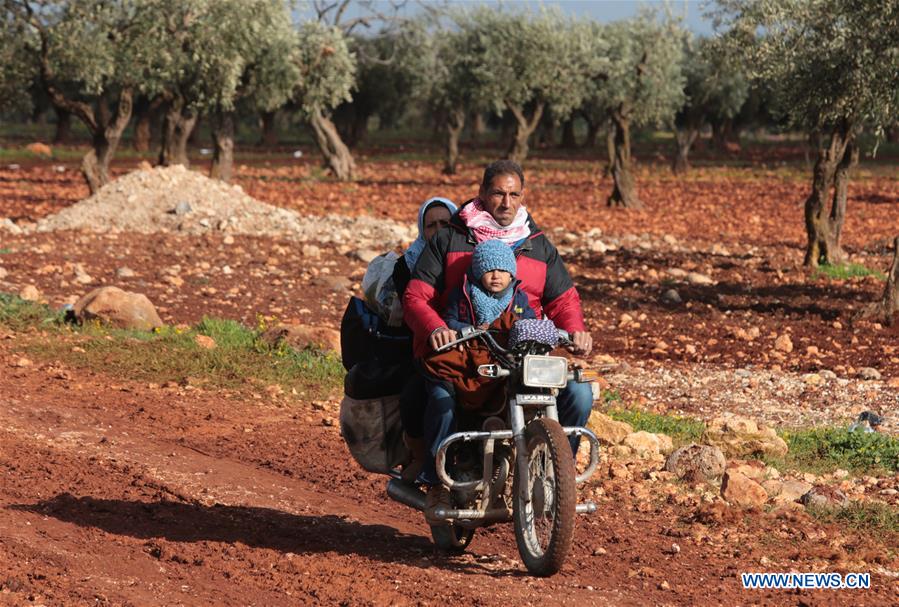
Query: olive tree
(833,69)
(17,71)
(386,78)
(641,84)
(527,63)
(249,58)
(91,57)
(716,88)
(228,53)
(442,80)
(327,74)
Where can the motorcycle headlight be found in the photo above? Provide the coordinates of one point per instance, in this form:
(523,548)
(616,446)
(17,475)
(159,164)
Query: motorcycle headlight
(545,371)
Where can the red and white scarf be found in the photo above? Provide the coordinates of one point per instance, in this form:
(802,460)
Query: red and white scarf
(485,227)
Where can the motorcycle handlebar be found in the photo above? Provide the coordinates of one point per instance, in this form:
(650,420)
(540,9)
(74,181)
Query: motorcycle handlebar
(465,335)
(469,333)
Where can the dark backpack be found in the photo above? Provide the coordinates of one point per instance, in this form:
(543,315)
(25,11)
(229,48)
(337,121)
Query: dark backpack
(377,356)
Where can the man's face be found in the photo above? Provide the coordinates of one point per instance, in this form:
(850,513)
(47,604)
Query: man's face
(434,219)
(503,198)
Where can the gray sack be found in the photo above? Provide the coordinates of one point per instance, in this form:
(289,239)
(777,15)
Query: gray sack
(373,432)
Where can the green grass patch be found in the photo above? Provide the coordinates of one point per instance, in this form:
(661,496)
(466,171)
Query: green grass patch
(5,251)
(19,314)
(867,517)
(682,430)
(846,271)
(241,360)
(610,396)
(821,450)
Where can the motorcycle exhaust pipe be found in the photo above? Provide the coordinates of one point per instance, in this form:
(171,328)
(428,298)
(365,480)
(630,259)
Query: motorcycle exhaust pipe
(406,494)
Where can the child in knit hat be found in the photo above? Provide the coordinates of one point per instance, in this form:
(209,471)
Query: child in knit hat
(488,298)
(489,290)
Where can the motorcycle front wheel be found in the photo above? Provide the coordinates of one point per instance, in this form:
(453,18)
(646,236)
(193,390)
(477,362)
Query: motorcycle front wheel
(544,525)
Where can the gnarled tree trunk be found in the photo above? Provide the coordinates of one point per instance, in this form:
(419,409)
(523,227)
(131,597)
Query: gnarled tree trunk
(478,126)
(824,226)
(105,125)
(144,113)
(269,137)
(105,139)
(63,125)
(337,155)
(223,146)
(886,309)
(568,140)
(624,192)
(683,142)
(890,302)
(524,127)
(455,122)
(177,126)
(592,132)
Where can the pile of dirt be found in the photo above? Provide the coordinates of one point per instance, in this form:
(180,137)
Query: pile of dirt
(174,199)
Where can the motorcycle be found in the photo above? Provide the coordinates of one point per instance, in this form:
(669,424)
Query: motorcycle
(515,464)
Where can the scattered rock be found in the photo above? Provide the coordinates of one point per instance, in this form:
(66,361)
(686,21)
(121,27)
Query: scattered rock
(365,255)
(869,374)
(9,225)
(205,342)
(334,283)
(813,379)
(742,491)
(598,246)
(752,469)
(620,451)
(39,149)
(182,208)
(123,309)
(790,491)
(822,496)
(696,462)
(739,436)
(22,362)
(608,430)
(783,343)
(299,337)
(3,273)
(30,293)
(311,251)
(671,297)
(772,487)
(677,272)
(695,278)
(647,445)
(124,272)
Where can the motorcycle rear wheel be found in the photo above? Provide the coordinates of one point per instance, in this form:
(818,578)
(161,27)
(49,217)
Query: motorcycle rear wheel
(544,526)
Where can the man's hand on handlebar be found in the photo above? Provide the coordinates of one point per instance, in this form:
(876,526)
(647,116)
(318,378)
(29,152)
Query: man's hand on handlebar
(581,343)
(442,336)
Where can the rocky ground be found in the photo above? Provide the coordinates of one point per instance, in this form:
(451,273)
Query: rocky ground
(123,493)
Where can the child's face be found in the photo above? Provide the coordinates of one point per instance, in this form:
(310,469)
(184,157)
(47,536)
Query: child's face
(495,281)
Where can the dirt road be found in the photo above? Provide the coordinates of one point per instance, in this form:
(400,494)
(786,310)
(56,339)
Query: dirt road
(124,494)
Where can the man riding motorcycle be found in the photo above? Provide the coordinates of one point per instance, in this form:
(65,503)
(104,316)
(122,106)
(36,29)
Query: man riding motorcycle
(498,212)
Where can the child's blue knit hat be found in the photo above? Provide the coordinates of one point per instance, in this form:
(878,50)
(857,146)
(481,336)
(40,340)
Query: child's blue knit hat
(492,255)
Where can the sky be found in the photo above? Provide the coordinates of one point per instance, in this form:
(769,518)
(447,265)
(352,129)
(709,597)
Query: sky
(601,10)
